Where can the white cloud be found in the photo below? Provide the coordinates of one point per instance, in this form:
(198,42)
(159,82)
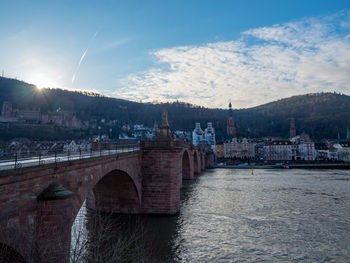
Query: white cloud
(265,64)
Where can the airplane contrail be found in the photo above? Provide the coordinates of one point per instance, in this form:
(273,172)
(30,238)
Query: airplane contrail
(82,58)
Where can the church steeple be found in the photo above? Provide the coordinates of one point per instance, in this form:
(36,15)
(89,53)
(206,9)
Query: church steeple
(230,109)
(231,129)
(292,130)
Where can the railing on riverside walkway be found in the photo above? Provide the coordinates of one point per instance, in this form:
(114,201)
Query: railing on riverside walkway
(24,159)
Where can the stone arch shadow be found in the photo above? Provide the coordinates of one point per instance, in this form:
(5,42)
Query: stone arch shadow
(197,161)
(115,192)
(9,253)
(187,165)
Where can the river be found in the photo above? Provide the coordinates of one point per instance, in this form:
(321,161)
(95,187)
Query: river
(230,215)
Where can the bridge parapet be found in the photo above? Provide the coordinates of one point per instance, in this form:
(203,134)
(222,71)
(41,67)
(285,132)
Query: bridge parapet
(163,143)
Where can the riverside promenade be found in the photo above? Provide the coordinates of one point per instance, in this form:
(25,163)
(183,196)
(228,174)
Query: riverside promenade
(287,166)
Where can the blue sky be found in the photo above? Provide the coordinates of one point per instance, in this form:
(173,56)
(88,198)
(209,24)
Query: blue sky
(202,52)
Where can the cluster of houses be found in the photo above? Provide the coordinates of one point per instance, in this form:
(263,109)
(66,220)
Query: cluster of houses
(270,149)
(298,148)
(139,132)
(24,147)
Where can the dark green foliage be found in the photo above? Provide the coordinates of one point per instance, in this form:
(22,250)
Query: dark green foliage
(9,131)
(321,115)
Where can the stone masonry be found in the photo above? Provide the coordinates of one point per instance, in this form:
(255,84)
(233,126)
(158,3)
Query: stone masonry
(38,205)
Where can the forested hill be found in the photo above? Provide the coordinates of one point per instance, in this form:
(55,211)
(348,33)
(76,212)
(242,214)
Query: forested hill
(321,115)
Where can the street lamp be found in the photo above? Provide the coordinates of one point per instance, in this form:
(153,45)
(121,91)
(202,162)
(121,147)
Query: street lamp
(99,138)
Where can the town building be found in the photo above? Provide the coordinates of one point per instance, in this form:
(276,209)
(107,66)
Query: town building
(209,136)
(77,146)
(321,151)
(343,149)
(332,152)
(280,150)
(240,149)
(303,148)
(220,150)
(306,151)
(197,134)
(200,138)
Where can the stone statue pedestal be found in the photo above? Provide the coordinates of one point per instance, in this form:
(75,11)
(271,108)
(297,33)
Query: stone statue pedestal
(164,131)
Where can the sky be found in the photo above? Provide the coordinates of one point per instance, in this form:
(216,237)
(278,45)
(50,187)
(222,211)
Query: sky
(202,52)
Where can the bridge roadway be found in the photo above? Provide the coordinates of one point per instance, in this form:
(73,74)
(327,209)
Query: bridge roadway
(13,163)
(38,204)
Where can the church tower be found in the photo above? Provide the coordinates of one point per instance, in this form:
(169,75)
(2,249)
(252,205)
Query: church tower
(292,130)
(231,129)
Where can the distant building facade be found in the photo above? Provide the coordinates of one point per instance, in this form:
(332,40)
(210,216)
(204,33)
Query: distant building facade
(303,148)
(209,136)
(280,150)
(220,150)
(197,134)
(343,149)
(34,115)
(239,149)
(200,137)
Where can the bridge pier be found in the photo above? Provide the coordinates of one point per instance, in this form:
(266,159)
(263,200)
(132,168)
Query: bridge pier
(53,231)
(161,178)
(202,161)
(209,160)
(53,225)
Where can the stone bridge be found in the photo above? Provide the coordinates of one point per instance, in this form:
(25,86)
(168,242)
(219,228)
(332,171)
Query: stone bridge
(38,205)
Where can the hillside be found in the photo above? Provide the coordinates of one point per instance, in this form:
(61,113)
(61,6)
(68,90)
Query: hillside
(321,115)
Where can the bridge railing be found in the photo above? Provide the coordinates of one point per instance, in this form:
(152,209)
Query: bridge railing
(19,159)
(163,143)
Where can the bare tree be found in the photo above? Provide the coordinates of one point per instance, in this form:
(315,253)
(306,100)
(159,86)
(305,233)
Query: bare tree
(95,237)
(101,237)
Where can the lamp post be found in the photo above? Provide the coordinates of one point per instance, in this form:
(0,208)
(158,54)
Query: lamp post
(110,141)
(99,138)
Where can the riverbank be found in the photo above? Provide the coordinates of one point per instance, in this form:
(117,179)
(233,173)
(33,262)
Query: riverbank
(288,166)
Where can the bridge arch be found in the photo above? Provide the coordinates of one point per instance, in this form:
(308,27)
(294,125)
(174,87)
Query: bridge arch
(187,166)
(9,254)
(196,162)
(202,160)
(109,191)
(115,192)
(103,181)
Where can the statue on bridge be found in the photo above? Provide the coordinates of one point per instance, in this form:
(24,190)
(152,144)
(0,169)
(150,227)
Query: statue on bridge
(165,117)
(164,129)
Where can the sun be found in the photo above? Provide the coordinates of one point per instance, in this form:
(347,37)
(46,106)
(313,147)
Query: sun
(41,80)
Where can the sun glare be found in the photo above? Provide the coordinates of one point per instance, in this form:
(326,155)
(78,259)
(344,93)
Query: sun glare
(41,80)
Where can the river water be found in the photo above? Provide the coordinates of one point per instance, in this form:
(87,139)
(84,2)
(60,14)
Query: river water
(230,215)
